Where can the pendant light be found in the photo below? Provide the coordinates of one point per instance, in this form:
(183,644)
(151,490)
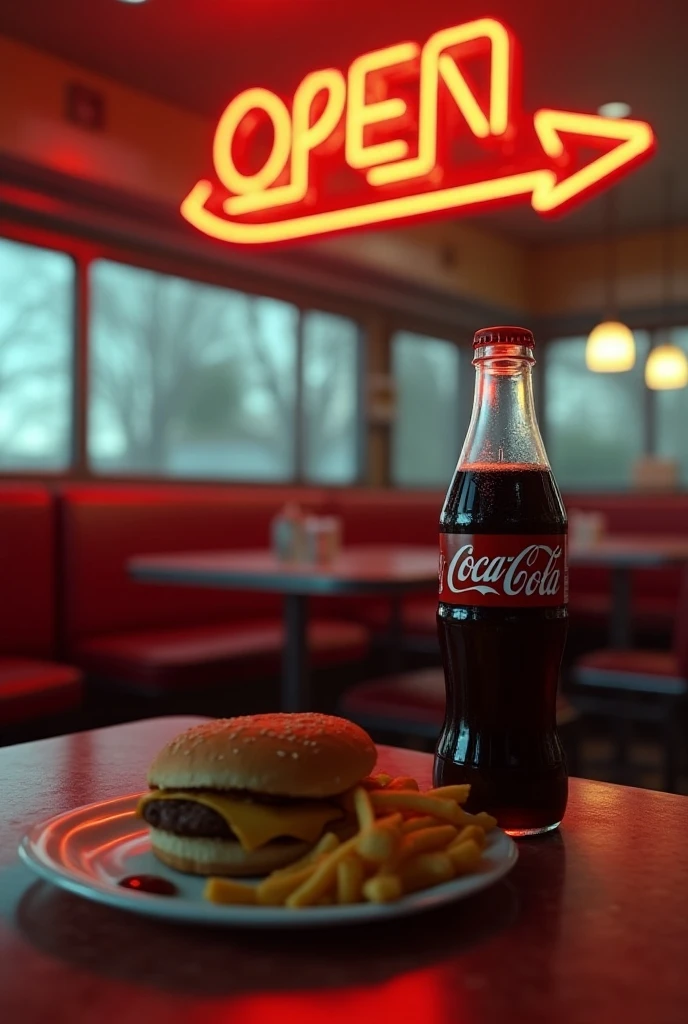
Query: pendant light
(611,346)
(666,368)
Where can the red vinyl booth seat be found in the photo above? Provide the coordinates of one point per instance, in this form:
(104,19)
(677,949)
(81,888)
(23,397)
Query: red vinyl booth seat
(654,591)
(27,571)
(158,638)
(412,703)
(31,690)
(388,516)
(414,700)
(642,670)
(180,659)
(31,686)
(375,516)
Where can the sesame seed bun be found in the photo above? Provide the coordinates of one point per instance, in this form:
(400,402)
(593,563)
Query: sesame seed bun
(297,755)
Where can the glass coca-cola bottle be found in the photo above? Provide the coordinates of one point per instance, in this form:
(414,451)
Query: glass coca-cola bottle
(502,615)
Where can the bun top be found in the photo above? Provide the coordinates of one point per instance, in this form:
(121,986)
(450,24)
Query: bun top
(298,755)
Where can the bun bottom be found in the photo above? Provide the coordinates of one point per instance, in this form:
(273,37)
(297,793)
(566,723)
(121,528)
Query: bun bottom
(197,856)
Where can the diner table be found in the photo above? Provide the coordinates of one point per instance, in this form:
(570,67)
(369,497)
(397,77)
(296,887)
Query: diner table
(365,571)
(591,925)
(622,554)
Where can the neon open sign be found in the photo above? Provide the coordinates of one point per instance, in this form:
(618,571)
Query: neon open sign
(408,132)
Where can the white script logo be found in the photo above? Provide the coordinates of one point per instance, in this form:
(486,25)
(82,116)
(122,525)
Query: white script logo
(532,572)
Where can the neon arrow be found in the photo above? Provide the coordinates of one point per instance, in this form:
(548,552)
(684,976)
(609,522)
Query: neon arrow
(549,191)
(637,142)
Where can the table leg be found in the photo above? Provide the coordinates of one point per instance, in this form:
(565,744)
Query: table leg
(395,635)
(620,619)
(294,695)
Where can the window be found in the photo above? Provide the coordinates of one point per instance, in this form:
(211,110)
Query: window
(595,422)
(36,347)
(672,412)
(427,429)
(330,398)
(188,379)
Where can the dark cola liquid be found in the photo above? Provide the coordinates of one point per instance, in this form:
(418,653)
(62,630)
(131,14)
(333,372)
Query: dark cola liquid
(502,664)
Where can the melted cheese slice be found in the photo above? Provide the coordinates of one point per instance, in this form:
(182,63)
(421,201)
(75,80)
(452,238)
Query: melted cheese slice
(255,824)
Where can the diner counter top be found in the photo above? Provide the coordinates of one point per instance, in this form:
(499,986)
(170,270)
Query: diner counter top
(591,925)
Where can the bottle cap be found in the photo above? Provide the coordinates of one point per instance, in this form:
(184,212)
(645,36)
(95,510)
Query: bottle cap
(503,336)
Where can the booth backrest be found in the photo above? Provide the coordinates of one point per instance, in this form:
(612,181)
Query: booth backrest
(103,526)
(388,517)
(27,570)
(86,533)
(662,515)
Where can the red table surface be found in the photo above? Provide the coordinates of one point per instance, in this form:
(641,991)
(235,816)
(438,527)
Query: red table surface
(592,924)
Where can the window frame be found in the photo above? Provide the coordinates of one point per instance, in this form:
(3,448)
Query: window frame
(464,390)
(653,323)
(86,251)
(361,410)
(44,239)
(42,226)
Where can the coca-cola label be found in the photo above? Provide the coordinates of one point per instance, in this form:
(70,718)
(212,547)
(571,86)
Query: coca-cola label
(504,570)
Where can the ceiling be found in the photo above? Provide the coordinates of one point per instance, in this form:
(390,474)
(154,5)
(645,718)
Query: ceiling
(576,55)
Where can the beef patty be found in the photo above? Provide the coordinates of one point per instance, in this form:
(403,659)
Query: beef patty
(187,818)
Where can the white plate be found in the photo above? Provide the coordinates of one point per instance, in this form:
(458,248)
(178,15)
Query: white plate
(89,850)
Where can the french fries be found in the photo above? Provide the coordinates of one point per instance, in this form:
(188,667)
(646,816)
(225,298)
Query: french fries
(436,837)
(416,803)
(274,890)
(413,824)
(473,832)
(382,888)
(465,857)
(377,781)
(322,878)
(327,844)
(380,842)
(350,877)
(425,870)
(458,793)
(226,890)
(363,808)
(407,840)
(485,821)
(403,782)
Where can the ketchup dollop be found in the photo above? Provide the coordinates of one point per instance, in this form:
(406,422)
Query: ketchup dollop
(149,883)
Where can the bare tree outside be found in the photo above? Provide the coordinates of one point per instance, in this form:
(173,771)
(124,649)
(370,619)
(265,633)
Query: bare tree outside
(36,347)
(594,421)
(330,361)
(185,379)
(189,379)
(426,438)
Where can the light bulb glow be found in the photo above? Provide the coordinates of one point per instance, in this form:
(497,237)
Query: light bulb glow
(666,368)
(614,109)
(610,348)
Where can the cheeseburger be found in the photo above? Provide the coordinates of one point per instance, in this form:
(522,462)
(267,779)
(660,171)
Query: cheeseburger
(244,796)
